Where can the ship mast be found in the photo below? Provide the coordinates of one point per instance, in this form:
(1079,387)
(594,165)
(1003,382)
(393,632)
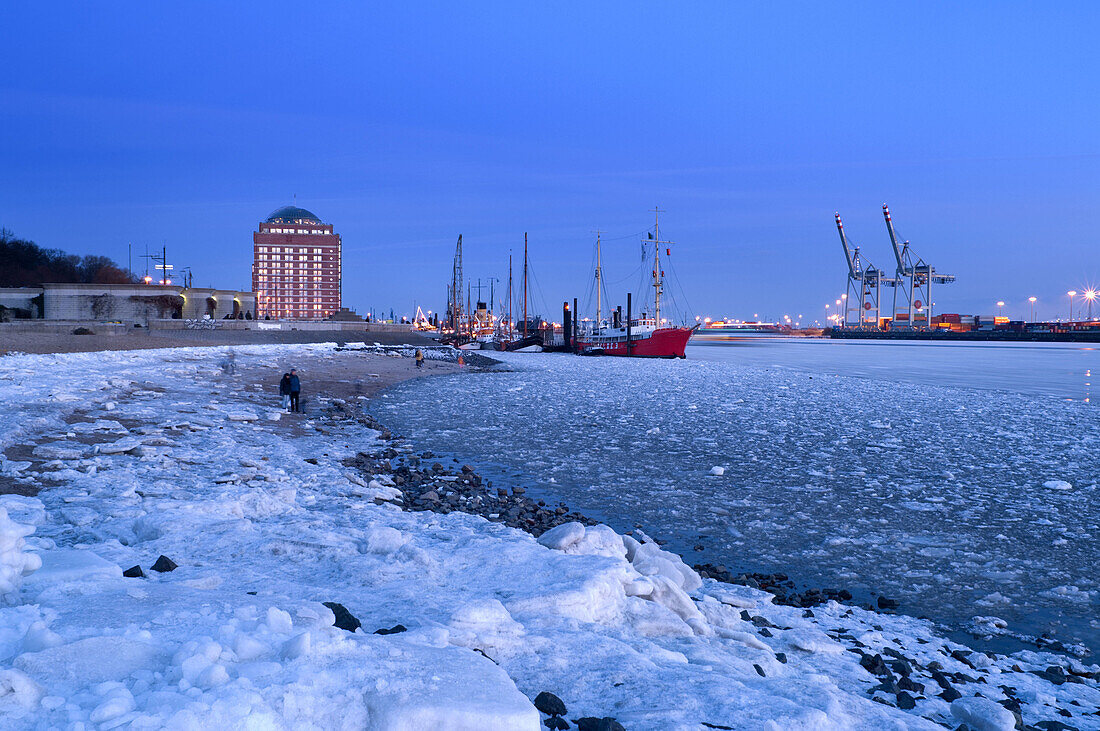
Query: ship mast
(599,282)
(510,327)
(524,284)
(658,285)
(456,287)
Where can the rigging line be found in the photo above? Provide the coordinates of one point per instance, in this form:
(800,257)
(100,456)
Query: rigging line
(628,236)
(538,291)
(617,282)
(676,278)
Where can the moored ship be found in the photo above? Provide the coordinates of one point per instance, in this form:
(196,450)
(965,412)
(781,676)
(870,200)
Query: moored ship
(644,337)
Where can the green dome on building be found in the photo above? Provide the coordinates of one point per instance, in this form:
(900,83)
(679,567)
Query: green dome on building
(292,214)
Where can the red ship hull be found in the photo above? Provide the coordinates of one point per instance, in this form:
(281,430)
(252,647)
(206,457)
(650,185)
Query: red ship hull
(668,342)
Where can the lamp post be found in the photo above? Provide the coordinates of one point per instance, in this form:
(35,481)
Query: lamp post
(1000,308)
(1072,293)
(1090,295)
(1032,301)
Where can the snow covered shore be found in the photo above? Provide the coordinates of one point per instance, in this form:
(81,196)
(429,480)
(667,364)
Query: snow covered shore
(138,455)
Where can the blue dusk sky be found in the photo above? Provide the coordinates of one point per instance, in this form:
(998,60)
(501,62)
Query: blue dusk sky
(405,124)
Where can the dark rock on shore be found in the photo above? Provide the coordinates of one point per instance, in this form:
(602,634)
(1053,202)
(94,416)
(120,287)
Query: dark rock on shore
(444,491)
(134,572)
(591,723)
(164,565)
(344,619)
(778,585)
(397,628)
(875,665)
(550,704)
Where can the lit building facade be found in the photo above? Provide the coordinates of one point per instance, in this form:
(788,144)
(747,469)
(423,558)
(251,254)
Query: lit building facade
(296,266)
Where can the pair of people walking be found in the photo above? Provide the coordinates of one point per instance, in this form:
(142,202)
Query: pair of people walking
(290,388)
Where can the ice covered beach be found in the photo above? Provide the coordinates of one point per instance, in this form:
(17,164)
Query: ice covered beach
(126,457)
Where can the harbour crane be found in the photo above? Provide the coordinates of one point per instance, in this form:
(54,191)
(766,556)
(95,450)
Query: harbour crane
(865,283)
(914,280)
(454,290)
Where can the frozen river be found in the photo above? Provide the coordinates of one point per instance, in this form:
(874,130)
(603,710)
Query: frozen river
(960,479)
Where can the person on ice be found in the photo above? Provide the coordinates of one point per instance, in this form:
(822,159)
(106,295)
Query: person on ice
(295,390)
(284,391)
(419,357)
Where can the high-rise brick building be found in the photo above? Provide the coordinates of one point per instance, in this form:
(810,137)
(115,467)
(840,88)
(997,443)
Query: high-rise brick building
(296,266)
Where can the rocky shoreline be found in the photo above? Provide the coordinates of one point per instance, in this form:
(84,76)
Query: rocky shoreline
(429,484)
(424,483)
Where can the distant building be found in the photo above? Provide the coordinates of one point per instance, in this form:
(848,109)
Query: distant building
(296,269)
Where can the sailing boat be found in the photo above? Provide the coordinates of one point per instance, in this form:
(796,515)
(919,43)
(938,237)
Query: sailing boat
(643,337)
(529,328)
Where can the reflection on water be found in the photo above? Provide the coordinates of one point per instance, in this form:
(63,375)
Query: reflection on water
(1048,369)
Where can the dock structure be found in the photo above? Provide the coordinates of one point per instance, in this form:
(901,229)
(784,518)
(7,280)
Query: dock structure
(913,280)
(864,288)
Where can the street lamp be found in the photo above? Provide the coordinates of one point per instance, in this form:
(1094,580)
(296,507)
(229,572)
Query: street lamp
(1090,295)
(1072,293)
(1032,301)
(1000,308)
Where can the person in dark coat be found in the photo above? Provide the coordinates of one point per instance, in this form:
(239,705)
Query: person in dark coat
(284,391)
(295,390)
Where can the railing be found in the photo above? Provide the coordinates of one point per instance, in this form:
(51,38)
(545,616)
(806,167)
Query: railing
(590,327)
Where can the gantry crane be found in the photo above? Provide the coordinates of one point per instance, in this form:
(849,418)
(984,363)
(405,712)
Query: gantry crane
(914,280)
(865,282)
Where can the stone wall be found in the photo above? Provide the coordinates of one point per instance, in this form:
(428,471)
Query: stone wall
(20,302)
(141,302)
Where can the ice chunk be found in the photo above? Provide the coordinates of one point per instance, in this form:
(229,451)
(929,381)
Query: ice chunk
(562,536)
(651,560)
(460,691)
(248,648)
(717,471)
(118,701)
(384,540)
(279,621)
(600,540)
(65,564)
(1057,485)
(16,686)
(91,660)
(15,563)
(296,647)
(812,640)
(59,451)
(982,714)
(126,444)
